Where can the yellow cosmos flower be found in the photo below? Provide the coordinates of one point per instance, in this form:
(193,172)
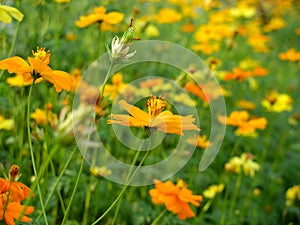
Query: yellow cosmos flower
(6,124)
(99,15)
(292,195)
(274,24)
(202,142)
(43,117)
(166,15)
(37,69)
(116,87)
(290,55)
(164,121)
(213,190)
(276,102)
(243,163)
(8,12)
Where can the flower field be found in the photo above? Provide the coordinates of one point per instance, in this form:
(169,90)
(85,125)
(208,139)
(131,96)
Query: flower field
(150,112)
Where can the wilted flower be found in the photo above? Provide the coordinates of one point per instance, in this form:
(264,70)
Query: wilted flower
(120,47)
(175,197)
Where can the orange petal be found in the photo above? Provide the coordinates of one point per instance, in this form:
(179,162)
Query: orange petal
(15,64)
(135,112)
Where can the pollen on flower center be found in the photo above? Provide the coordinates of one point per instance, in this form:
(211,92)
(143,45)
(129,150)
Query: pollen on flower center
(155,105)
(42,55)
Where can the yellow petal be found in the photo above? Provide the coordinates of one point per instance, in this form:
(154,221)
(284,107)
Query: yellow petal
(15,13)
(4,16)
(15,64)
(113,17)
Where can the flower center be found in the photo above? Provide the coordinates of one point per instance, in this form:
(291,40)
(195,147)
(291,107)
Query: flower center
(42,55)
(155,105)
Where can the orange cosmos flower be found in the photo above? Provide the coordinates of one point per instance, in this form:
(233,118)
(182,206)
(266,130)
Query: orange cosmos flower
(17,190)
(12,211)
(246,126)
(163,121)
(175,197)
(100,15)
(37,69)
(290,55)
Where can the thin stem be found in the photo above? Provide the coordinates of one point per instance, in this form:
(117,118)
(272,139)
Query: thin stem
(122,191)
(57,181)
(235,194)
(73,193)
(128,177)
(32,154)
(106,78)
(158,217)
(12,45)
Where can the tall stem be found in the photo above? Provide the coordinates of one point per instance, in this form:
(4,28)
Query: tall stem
(123,190)
(32,154)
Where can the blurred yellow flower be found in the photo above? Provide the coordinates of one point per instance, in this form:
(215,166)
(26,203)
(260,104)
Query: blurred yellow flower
(18,81)
(244,104)
(201,142)
(43,117)
(276,102)
(259,42)
(290,55)
(99,15)
(213,190)
(6,124)
(243,163)
(8,12)
(246,126)
(166,15)
(62,1)
(101,171)
(274,24)
(297,31)
(112,90)
(292,195)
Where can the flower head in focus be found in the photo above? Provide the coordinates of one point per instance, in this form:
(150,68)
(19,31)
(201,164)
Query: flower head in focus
(37,70)
(175,197)
(164,121)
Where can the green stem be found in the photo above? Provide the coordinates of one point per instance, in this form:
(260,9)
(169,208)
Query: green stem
(74,192)
(128,177)
(32,154)
(106,78)
(122,191)
(235,194)
(57,182)
(158,217)
(12,45)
